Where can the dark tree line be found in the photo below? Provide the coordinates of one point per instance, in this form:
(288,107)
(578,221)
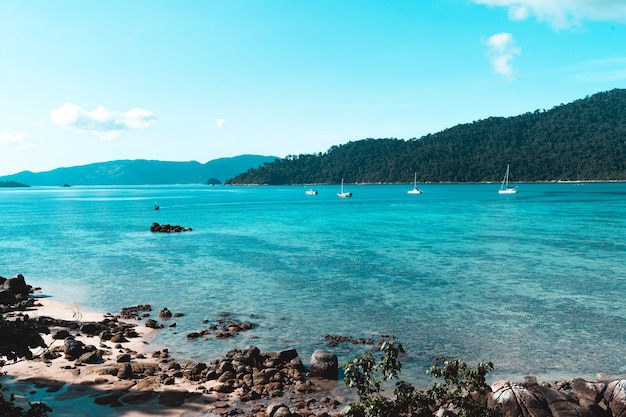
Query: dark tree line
(582,140)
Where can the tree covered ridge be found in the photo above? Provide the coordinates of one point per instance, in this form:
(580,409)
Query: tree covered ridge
(581,141)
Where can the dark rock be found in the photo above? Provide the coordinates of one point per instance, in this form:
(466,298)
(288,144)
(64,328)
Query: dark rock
(17,285)
(287,355)
(73,348)
(324,364)
(90,328)
(125,372)
(168,228)
(153,324)
(90,357)
(123,358)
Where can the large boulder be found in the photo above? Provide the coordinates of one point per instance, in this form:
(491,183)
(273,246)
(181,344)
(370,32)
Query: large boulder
(17,285)
(324,364)
(615,396)
(530,399)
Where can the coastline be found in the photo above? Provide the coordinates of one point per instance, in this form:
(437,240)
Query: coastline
(125,376)
(72,386)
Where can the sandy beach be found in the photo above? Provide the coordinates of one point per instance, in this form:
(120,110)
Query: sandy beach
(158,385)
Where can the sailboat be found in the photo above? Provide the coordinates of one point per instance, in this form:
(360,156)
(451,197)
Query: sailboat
(342,194)
(505,188)
(415,190)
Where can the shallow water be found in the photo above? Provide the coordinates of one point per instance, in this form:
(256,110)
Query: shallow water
(532,282)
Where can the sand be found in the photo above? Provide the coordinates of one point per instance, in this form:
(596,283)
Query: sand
(71,390)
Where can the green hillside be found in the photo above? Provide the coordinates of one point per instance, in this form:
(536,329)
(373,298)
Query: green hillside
(583,140)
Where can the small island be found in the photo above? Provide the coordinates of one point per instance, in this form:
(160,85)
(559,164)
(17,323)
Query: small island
(12,184)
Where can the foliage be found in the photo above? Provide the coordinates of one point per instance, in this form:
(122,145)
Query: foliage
(582,140)
(459,389)
(16,338)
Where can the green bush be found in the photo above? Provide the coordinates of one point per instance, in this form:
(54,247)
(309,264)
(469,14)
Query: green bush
(460,389)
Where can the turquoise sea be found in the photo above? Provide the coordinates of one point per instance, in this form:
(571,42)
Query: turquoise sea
(534,282)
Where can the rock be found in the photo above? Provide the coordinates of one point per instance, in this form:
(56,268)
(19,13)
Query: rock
(90,328)
(534,400)
(168,228)
(277,410)
(123,358)
(165,313)
(73,348)
(615,396)
(324,364)
(153,324)
(90,357)
(125,372)
(17,285)
(61,334)
(287,355)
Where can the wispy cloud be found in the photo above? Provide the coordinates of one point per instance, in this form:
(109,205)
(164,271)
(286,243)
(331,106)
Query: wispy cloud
(501,50)
(220,123)
(105,124)
(562,14)
(17,140)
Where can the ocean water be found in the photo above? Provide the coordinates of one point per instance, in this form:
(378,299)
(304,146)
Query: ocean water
(534,282)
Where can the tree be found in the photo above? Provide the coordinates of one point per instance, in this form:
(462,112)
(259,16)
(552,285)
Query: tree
(461,389)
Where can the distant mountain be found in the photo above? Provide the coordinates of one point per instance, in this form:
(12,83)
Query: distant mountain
(142,172)
(581,141)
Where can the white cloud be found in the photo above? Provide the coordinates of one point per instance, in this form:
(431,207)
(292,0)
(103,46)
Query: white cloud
(562,14)
(501,49)
(18,140)
(105,124)
(220,122)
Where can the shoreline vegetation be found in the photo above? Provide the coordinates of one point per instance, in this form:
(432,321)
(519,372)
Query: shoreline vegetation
(106,365)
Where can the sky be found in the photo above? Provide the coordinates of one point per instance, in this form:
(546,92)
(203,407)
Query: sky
(190,80)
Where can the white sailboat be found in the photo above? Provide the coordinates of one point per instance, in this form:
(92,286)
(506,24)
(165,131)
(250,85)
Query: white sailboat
(415,190)
(342,194)
(505,188)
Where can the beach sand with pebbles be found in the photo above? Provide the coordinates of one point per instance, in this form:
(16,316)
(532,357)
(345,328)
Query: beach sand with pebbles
(129,376)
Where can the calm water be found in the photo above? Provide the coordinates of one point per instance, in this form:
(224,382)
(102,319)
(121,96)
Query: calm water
(533,282)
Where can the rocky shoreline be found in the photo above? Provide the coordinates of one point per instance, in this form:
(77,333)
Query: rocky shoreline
(105,362)
(96,354)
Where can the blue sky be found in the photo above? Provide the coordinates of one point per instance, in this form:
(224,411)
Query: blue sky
(86,81)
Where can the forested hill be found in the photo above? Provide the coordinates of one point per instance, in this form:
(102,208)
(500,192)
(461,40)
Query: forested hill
(583,140)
